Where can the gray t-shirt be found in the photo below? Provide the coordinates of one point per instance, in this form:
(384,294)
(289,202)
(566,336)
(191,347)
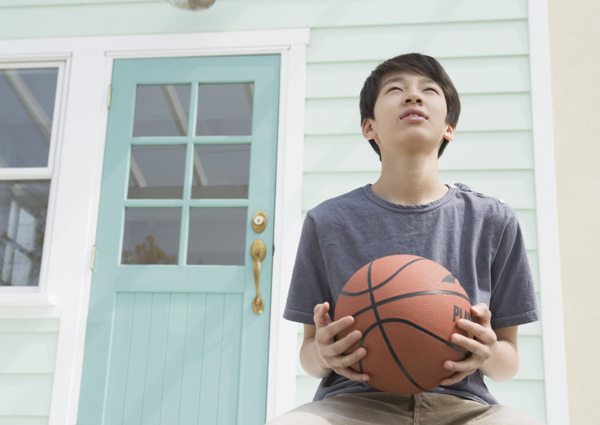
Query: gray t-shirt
(476,237)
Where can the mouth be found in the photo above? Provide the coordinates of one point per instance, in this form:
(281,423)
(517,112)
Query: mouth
(413,115)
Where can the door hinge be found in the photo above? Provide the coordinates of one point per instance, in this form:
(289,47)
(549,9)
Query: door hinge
(109,97)
(93,259)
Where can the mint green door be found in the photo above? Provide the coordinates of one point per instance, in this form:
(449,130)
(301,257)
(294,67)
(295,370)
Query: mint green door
(172,335)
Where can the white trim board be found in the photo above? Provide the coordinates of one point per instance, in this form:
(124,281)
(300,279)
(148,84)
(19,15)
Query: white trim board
(89,63)
(557,409)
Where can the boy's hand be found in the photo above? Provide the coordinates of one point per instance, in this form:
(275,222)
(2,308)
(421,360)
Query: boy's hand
(481,347)
(329,351)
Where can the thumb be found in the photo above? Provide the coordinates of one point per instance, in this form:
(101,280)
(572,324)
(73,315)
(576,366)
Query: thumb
(483,313)
(321,316)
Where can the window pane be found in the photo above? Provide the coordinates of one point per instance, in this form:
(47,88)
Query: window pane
(26,113)
(156,172)
(162,110)
(151,236)
(225,109)
(221,171)
(23,207)
(217,236)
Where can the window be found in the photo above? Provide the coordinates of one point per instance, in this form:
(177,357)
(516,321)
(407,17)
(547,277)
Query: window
(28,117)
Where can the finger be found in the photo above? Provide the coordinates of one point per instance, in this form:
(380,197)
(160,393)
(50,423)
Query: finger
(480,332)
(332,330)
(468,366)
(478,347)
(321,316)
(352,374)
(347,360)
(342,345)
(454,379)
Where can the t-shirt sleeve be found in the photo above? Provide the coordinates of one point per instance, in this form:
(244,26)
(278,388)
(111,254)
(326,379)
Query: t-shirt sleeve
(513,301)
(309,284)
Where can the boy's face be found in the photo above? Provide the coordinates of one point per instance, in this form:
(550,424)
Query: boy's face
(410,115)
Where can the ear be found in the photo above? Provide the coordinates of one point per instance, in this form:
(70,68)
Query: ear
(368,131)
(450,132)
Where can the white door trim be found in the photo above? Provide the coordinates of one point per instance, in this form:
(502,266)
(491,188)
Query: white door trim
(89,61)
(555,369)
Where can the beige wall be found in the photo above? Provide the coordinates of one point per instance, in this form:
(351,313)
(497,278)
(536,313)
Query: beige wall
(575,65)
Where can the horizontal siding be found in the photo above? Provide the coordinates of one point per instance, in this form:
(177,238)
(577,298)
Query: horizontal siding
(28,353)
(23,420)
(480,112)
(58,18)
(27,362)
(506,150)
(495,38)
(25,394)
(476,75)
(517,187)
(530,353)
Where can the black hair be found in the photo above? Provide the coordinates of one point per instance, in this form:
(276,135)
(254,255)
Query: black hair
(413,62)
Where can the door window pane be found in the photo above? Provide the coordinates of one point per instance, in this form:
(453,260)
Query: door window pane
(225,109)
(221,171)
(26,112)
(217,236)
(23,207)
(156,172)
(151,236)
(161,110)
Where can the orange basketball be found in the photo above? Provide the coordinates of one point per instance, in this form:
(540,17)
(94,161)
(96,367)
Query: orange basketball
(406,308)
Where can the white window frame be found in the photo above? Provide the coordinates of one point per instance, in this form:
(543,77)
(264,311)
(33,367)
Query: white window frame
(88,72)
(37,295)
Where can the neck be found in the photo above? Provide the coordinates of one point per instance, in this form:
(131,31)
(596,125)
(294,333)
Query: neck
(409,181)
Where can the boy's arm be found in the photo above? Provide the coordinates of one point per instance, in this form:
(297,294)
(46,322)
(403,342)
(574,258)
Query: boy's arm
(494,351)
(321,353)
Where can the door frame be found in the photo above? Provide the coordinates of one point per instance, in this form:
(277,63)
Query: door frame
(88,65)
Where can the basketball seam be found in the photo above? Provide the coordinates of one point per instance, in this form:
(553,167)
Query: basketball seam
(419,328)
(379,323)
(385,282)
(410,295)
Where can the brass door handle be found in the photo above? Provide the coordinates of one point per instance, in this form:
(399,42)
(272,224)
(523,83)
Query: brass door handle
(258,250)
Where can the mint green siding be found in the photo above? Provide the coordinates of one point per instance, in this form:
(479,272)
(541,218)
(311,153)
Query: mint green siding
(487,57)
(484,46)
(27,360)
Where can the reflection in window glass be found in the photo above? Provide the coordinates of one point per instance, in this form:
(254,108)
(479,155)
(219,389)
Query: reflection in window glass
(221,171)
(26,112)
(151,236)
(23,207)
(217,236)
(156,172)
(225,109)
(161,110)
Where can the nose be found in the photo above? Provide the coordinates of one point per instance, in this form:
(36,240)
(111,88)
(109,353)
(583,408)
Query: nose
(412,96)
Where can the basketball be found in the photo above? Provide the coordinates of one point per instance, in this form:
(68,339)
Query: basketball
(406,308)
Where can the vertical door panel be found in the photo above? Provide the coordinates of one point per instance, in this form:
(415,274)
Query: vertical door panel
(190,157)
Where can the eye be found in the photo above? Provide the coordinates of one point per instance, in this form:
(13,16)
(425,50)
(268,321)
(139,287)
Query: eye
(431,89)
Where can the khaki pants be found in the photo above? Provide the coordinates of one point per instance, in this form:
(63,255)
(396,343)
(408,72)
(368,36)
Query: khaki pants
(391,409)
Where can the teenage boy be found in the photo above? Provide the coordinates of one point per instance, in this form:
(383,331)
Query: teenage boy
(409,111)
